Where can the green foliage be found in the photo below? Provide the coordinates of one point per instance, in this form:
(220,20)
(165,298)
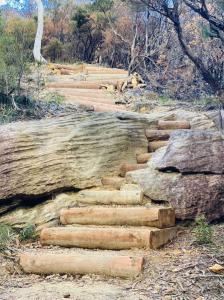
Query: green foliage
(16,41)
(28,233)
(203,231)
(53,97)
(103,5)
(53,49)
(6,234)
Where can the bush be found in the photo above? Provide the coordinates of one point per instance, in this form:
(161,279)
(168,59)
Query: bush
(28,233)
(6,235)
(203,231)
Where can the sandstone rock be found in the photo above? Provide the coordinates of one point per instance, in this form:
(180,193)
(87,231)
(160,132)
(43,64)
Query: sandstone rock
(40,157)
(42,215)
(190,195)
(194,152)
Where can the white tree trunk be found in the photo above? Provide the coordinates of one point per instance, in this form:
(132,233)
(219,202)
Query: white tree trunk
(40,27)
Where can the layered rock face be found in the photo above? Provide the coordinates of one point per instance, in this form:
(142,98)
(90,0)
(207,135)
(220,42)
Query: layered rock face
(40,157)
(188,174)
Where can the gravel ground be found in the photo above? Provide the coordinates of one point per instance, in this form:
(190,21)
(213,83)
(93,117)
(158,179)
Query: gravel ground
(177,272)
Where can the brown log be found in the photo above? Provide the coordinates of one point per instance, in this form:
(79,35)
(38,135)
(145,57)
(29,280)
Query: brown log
(158,135)
(172,125)
(153,146)
(89,263)
(83,85)
(65,72)
(134,197)
(124,168)
(133,216)
(115,182)
(113,238)
(143,158)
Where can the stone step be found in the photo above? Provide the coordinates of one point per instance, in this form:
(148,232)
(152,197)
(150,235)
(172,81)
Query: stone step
(172,125)
(143,158)
(115,182)
(125,197)
(76,263)
(110,238)
(125,168)
(158,135)
(153,146)
(133,216)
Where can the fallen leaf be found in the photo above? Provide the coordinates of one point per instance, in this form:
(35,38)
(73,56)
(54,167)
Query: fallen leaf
(218,269)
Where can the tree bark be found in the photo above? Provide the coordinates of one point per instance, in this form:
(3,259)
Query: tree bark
(39,34)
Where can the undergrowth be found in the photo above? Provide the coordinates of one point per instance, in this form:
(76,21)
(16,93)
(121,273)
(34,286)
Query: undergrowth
(28,233)
(6,236)
(203,231)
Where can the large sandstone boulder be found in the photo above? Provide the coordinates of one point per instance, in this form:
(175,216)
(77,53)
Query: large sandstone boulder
(190,195)
(194,152)
(39,157)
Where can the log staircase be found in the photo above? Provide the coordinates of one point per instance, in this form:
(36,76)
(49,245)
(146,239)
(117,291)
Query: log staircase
(114,221)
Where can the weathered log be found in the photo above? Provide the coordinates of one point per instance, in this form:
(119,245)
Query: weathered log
(126,167)
(65,72)
(143,158)
(172,125)
(158,135)
(83,85)
(89,263)
(114,181)
(133,197)
(133,216)
(40,157)
(113,238)
(153,146)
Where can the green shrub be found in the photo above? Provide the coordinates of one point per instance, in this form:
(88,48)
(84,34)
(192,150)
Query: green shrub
(28,233)
(6,234)
(203,231)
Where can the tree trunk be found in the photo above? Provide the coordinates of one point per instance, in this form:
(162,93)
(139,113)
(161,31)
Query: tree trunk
(39,34)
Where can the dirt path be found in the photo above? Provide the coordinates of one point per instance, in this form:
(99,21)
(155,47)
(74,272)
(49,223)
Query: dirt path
(177,272)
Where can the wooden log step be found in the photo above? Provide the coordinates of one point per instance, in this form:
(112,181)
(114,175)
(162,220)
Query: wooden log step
(153,146)
(115,182)
(172,125)
(83,85)
(158,135)
(75,263)
(143,158)
(134,197)
(133,216)
(111,238)
(125,167)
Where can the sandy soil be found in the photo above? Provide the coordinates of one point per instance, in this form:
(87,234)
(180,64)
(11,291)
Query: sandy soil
(177,272)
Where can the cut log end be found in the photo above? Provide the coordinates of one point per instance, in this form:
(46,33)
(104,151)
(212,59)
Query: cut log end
(115,182)
(124,168)
(143,158)
(57,263)
(153,146)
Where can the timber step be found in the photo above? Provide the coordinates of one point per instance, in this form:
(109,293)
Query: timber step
(143,158)
(125,167)
(130,216)
(173,125)
(86,263)
(129,197)
(112,238)
(153,146)
(115,182)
